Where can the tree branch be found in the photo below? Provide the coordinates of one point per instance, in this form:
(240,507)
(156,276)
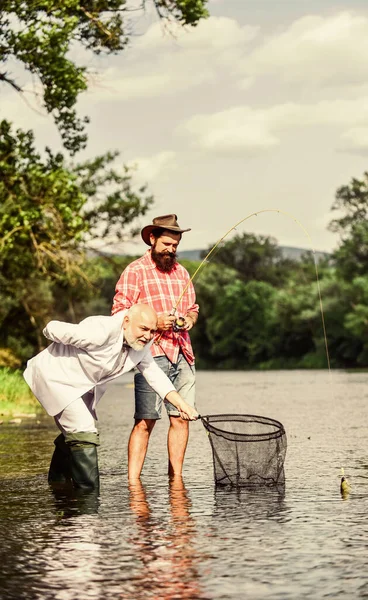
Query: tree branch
(97,21)
(3,77)
(9,234)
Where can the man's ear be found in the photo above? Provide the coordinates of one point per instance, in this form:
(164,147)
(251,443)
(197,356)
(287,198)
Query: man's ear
(125,321)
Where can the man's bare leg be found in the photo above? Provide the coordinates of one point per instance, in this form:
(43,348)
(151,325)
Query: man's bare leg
(177,441)
(137,446)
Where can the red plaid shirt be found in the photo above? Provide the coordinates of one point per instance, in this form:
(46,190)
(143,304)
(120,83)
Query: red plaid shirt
(142,281)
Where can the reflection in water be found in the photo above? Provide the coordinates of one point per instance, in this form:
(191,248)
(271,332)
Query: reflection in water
(68,555)
(48,545)
(256,503)
(166,552)
(70,502)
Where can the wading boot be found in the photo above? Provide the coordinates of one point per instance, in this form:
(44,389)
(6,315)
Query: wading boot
(83,459)
(59,471)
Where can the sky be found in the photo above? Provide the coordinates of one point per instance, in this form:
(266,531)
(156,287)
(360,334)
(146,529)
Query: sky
(263,106)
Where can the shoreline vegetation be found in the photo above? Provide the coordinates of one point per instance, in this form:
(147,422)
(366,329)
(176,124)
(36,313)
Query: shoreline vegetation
(16,399)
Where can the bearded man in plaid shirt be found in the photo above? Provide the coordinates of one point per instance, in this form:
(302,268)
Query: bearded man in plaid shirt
(158,279)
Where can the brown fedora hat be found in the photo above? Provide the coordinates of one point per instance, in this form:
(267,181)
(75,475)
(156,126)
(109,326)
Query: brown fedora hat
(168,222)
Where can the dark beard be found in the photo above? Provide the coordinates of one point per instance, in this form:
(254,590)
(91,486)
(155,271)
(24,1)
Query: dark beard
(164,261)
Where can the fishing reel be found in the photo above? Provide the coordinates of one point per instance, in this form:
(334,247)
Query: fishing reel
(178,324)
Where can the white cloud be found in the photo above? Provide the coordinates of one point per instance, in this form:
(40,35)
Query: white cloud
(315,50)
(244,129)
(24,109)
(312,53)
(151,168)
(214,33)
(355,140)
(170,62)
(246,84)
(239,129)
(117,85)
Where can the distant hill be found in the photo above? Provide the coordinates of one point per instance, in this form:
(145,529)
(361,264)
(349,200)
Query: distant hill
(287,252)
(124,250)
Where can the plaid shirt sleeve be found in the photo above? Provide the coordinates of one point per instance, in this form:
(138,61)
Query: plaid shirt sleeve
(127,291)
(192,306)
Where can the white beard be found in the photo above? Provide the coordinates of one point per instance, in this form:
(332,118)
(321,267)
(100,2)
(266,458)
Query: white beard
(133,343)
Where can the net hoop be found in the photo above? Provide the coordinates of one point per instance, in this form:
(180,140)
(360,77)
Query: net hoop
(276,429)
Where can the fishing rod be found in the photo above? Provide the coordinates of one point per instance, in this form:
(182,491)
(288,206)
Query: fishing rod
(181,322)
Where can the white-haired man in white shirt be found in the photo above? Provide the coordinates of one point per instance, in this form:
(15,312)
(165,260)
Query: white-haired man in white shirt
(69,378)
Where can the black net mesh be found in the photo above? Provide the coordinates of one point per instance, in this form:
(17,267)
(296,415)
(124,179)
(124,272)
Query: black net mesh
(247,450)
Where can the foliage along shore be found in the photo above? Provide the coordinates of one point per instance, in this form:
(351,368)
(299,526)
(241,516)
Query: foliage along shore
(16,399)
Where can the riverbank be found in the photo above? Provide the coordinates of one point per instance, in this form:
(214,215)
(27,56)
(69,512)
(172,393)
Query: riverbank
(16,399)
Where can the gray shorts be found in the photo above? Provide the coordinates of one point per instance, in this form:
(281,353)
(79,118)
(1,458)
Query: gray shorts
(148,404)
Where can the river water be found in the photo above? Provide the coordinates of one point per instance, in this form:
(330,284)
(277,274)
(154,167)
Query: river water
(187,539)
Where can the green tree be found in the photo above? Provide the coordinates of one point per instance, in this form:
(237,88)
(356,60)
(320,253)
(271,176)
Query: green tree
(39,34)
(356,319)
(239,329)
(255,257)
(351,256)
(299,335)
(79,301)
(305,270)
(352,202)
(210,283)
(49,210)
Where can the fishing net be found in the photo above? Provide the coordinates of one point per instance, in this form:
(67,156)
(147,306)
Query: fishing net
(248,450)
